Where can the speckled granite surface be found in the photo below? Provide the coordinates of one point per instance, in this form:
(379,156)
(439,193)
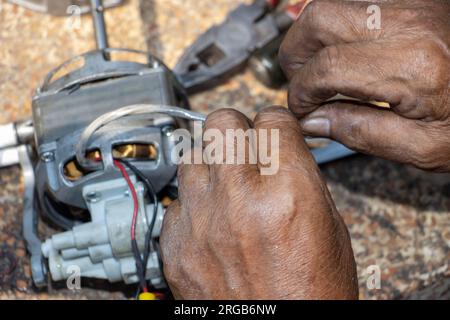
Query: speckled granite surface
(398,217)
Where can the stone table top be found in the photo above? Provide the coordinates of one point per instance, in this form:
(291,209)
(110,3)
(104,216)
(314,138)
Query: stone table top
(398,217)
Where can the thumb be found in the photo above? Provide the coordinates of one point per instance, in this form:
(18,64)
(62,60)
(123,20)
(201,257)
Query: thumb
(369,130)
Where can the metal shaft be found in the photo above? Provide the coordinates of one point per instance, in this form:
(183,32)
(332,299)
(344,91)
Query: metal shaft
(99,24)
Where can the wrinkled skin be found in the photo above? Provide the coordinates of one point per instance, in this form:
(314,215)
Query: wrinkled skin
(406,63)
(235,233)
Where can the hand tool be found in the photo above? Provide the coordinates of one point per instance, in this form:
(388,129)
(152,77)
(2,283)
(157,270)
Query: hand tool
(225,48)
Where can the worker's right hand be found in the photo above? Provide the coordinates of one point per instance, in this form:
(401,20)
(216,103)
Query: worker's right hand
(331,50)
(236,232)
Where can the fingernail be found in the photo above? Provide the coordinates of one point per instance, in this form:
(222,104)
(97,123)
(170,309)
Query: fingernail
(316,126)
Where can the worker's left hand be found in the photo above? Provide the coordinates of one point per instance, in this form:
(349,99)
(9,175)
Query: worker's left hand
(235,233)
(335,48)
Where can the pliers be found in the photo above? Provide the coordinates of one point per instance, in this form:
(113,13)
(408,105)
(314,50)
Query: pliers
(225,48)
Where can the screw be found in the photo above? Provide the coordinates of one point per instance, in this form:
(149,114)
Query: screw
(167,131)
(48,156)
(93,197)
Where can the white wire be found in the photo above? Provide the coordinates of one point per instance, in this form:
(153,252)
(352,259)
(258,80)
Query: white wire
(123,112)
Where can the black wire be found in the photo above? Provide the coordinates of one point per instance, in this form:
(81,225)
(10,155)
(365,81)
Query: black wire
(158,254)
(140,269)
(153,196)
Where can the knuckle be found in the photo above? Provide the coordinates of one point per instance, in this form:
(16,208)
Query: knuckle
(281,208)
(298,102)
(301,92)
(313,81)
(432,52)
(311,11)
(311,21)
(224,117)
(315,15)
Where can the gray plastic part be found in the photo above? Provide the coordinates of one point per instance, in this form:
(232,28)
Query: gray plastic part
(102,248)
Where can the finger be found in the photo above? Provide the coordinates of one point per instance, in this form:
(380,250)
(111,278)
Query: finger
(193,179)
(324,23)
(227,147)
(377,132)
(285,151)
(359,71)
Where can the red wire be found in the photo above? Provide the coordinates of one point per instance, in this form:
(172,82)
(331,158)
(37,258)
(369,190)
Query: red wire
(135,201)
(133,194)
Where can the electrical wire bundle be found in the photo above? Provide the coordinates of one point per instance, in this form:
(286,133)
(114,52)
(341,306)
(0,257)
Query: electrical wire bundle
(141,262)
(122,164)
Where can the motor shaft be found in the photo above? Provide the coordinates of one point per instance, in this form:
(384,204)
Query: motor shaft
(99,24)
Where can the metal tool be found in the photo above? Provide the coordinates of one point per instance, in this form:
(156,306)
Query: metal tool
(225,48)
(331,152)
(99,24)
(250,34)
(265,66)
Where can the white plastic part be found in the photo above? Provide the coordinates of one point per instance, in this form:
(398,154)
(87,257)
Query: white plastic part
(8,136)
(9,157)
(102,248)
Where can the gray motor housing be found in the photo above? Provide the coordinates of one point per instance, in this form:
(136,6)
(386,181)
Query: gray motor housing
(100,243)
(62,109)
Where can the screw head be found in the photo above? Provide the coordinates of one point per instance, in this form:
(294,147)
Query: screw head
(47,156)
(93,197)
(167,131)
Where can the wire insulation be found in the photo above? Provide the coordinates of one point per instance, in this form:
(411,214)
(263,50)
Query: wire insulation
(140,267)
(153,196)
(134,196)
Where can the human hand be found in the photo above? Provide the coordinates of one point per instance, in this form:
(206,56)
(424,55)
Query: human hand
(236,234)
(330,50)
